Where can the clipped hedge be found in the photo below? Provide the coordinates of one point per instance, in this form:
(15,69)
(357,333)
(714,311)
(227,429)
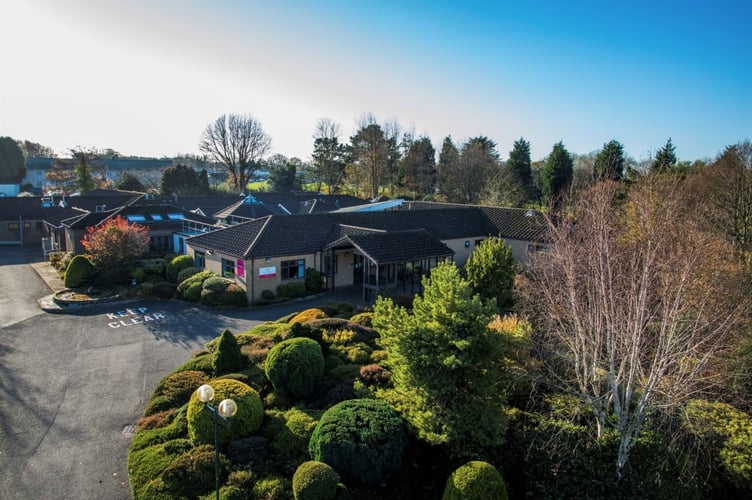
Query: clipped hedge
(226,358)
(362,439)
(291,290)
(217,283)
(186,273)
(307,316)
(192,473)
(314,481)
(295,366)
(245,422)
(473,480)
(146,465)
(196,278)
(177,264)
(79,272)
(175,390)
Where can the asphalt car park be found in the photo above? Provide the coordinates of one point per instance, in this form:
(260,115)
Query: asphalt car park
(72,386)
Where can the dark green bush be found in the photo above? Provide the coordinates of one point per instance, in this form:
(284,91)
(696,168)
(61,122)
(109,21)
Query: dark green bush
(314,481)
(288,433)
(79,272)
(250,450)
(475,480)
(267,295)
(295,366)
(363,319)
(291,290)
(217,284)
(114,276)
(226,357)
(362,439)
(157,404)
(202,362)
(192,473)
(139,275)
(314,280)
(193,292)
(272,488)
(178,387)
(235,296)
(177,264)
(186,273)
(176,429)
(145,465)
(300,330)
(164,290)
(247,420)
(196,278)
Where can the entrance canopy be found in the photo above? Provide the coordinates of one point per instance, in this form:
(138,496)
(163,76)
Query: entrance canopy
(382,247)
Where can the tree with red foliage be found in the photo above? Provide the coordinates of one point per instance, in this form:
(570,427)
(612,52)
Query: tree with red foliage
(115,242)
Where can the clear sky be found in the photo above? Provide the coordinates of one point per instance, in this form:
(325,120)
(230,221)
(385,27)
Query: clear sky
(145,77)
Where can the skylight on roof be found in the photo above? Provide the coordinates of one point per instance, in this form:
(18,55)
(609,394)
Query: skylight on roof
(175,216)
(156,217)
(136,218)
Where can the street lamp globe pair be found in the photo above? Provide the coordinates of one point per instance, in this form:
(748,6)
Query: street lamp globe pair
(224,410)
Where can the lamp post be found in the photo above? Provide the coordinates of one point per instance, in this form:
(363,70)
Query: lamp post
(224,410)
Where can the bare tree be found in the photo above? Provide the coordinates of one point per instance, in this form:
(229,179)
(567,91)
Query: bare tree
(238,143)
(635,301)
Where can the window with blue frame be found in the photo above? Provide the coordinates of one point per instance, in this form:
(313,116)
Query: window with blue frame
(293,269)
(200,260)
(228,268)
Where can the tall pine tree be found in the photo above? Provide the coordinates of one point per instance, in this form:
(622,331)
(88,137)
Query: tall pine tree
(557,175)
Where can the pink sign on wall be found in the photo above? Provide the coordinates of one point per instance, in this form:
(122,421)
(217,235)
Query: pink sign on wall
(240,268)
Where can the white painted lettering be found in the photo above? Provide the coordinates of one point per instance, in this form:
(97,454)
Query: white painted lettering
(158,316)
(122,314)
(111,316)
(113,325)
(142,310)
(147,318)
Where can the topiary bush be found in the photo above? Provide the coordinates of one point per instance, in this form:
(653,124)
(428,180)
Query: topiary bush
(362,439)
(192,473)
(226,357)
(65,261)
(79,272)
(473,480)
(307,316)
(291,290)
(145,465)
(314,481)
(295,366)
(314,280)
(363,319)
(176,388)
(193,292)
(245,422)
(177,264)
(196,278)
(186,273)
(217,283)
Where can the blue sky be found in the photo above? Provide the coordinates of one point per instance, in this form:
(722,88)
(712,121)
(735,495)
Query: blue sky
(146,77)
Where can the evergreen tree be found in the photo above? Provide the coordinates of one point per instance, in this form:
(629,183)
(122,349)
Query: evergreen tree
(665,158)
(449,164)
(227,357)
(446,364)
(181,180)
(129,182)
(491,270)
(12,162)
(520,172)
(419,166)
(609,164)
(557,175)
(82,170)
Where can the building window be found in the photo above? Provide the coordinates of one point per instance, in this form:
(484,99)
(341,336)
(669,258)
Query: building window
(292,269)
(200,260)
(228,268)
(330,269)
(13,226)
(27,225)
(159,243)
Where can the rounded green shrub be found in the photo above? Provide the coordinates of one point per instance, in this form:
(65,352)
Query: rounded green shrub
(192,473)
(196,278)
(177,264)
(291,290)
(226,357)
(217,283)
(473,480)
(314,481)
(79,272)
(267,294)
(295,366)
(245,422)
(235,296)
(307,315)
(362,439)
(186,273)
(363,319)
(193,292)
(178,387)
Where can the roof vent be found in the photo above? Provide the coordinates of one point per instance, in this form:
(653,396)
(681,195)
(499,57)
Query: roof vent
(47,202)
(250,200)
(100,208)
(530,213)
